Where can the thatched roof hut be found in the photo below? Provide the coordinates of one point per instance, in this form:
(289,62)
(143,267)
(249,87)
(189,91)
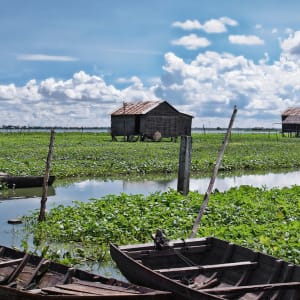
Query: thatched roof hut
(149,119)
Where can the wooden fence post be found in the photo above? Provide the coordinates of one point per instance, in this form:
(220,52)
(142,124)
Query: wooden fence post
(46,178)
(183,182)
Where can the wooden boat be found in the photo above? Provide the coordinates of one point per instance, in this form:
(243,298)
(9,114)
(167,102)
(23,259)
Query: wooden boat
(25,277)
(24,181)
(208,268)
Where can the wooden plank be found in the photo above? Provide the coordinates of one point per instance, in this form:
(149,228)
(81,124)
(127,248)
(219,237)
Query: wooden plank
(10,262)
(107,286)
(59,291)
(39,270)
(167,252)
(174,243)
(19,268)
(215,267)
(91,290)
(254,288)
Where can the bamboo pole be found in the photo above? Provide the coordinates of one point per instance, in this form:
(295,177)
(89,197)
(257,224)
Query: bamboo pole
(213,178)
(46,178)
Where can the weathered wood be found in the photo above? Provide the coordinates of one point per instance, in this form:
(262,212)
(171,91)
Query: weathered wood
(10,262)
(214,175)
(46,178)
(18,269)
(227,266)
(39,270)
(190,276)
(253,288)
(183,182)
(32,277)
(54,290)
(106,286)
(167,252)
(94,290)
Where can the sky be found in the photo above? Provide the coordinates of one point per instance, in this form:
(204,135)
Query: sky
(73,62)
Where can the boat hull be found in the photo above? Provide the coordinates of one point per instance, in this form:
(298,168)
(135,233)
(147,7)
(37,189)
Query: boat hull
(25,277)
(208,268)
(25,181)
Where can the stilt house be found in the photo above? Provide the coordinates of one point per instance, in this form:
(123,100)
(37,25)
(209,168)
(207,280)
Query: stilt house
(290,120)
(149,119)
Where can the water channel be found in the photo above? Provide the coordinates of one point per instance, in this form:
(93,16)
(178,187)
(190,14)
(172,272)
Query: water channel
(19,202)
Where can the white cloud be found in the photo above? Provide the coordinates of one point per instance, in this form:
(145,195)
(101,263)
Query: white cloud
(245,39)
(214,26)
(187,25)
(210,26)
(7,92)
(213,83)
(192,42)
(292,44)
(83,100)
(218,25)
(229,21)
(207,87)
(45,57)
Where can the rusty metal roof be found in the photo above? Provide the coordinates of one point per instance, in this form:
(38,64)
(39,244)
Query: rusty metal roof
(139,108)
(293,119)
(292,111)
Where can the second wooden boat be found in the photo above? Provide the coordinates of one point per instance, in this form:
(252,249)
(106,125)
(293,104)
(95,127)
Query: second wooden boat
(26,277)
(208,268)
(24,181)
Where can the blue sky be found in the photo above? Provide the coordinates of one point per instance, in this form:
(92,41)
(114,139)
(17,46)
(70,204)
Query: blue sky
(70,63)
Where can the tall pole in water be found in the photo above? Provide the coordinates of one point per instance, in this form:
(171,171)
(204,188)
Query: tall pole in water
(214,175)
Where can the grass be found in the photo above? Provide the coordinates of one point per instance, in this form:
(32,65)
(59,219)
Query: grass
(95,155)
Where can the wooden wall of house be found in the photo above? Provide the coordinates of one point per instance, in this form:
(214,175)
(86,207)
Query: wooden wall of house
(123,125)
(164,118)
(168,125)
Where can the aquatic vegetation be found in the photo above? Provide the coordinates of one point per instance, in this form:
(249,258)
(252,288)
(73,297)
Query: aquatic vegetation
(95,155)
(264,220)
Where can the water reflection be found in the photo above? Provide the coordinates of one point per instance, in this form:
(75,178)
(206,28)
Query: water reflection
(23,201)
(24,193)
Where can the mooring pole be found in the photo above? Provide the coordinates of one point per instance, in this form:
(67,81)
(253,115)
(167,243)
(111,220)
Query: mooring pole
(183,182)
(46,178)
(214,175)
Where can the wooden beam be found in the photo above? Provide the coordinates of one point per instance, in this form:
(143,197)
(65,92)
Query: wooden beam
(10,262)
(253,288)
(214,267)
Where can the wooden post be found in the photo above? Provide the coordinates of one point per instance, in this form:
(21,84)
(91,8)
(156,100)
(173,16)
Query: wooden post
(46,178)
(213,178)
(183,182)
(124,120)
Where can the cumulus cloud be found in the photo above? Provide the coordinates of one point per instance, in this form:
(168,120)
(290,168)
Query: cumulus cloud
(7,92)
(188,24)
(245,40)
(83,100)
(45,57)
(213,83)
(291,45)
(206,87)
(192,42)
(209,26)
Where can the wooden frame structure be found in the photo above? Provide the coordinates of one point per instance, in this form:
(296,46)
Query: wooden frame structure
(149,119)
(290,120)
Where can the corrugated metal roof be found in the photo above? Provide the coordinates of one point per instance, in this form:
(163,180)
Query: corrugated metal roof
(292,119)
(292,111)
(139,108)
